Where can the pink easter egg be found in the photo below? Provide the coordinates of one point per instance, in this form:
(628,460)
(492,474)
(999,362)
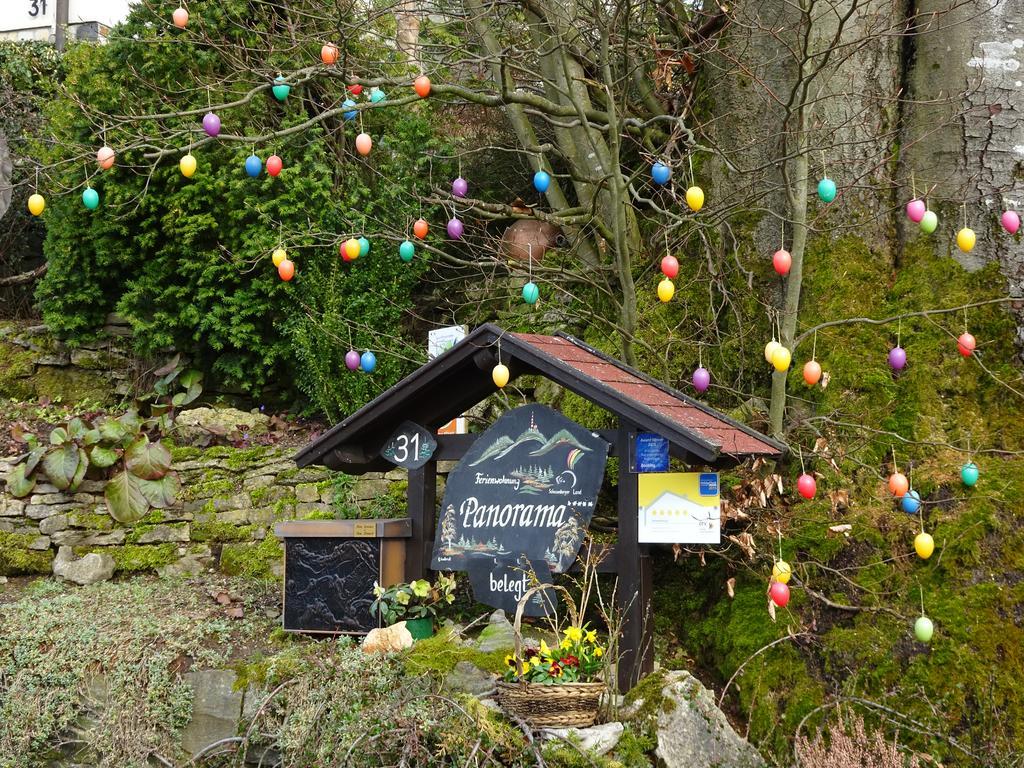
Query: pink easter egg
(1010,221)
(915,210)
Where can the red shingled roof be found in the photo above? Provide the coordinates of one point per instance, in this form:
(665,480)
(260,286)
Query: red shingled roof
(669,404)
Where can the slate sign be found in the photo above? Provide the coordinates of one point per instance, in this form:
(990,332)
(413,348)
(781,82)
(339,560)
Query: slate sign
(328,584)
(411,446)
(527,486)
(501,582)
(650,453)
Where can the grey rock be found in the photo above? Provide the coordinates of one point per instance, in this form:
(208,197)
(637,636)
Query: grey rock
(216,708)
(41,511)
(92,486)
(238,501)
(696,733)
(53,524)
(307,492)
(161,534)
(498,633)
(197,422)
(233,516)
(469,678)
(91,569)
(308,508)
(49,498)
(257,481)
(596,740)
(89,538)
(11,507)
(6,526)
(189,565)
(367,489)
(263,515)
(59,359)
(40,543)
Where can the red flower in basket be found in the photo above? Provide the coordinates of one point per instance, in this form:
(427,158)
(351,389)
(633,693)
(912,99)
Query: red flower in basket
(556,670)
(569,661)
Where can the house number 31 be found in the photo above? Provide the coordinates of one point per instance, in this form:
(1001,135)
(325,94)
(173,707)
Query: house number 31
(36,8)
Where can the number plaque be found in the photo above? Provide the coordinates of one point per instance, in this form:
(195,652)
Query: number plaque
(411,446)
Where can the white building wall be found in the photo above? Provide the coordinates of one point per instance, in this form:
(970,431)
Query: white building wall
(36,19)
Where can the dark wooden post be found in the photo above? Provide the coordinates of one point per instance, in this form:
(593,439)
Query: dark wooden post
(422,496)
(636,657)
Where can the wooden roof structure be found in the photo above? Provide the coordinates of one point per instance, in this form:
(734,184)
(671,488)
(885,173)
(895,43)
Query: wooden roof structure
(460,378)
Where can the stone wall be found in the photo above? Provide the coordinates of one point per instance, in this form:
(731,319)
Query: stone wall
(229,502)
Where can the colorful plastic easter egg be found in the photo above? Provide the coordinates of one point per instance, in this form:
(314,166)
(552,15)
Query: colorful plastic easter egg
(541,181)
(187,165)
(279,255)
(898,484)
(695,198)
(782,261)
(924,545)
(274,165)
(422,86)
(769,350)
(460,187)
(897,358)
(364,246)
(329,54)
(90,198)
(701,380)
(911,502)
(105,157)
(351,113)
(367,361)
(781,359)
(915,210)
(670,267)
(929,222)
(499,375)
(420,228)
(661,173)
(966,344)
(965,239)
(779,593)
(364,144)
(351,249)
(180,17)
(286,270)
(531,293)
(812,372)
(455,228)
(924,629)
(1010,221)
(355,89)
(969,473)
(211,124)
(36,204)
(781,571)
(826,190)
(377,95)
(352,360)
(806,486)
(406,251)
(281,89)
(253,166)
(666,290)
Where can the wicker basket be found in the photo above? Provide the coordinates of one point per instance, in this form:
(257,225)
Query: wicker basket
(551,706)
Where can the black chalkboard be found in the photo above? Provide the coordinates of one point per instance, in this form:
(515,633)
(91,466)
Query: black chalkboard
(411,446)
(501,582)
(328,584)
(527,486)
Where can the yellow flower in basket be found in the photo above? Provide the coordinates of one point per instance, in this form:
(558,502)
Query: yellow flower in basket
(574,634)
(599,652)
(565,644)
(592,636)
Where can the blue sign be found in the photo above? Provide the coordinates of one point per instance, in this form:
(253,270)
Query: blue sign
(651,452)
(708,483)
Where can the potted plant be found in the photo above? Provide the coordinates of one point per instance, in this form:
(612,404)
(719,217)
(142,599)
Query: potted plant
(416,603)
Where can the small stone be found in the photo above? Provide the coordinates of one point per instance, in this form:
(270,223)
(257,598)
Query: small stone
(216,707)
(11,507)
(200,422)
(257,481)
(307,492)
(595,741)
(262,516)
(162,534)
(91,569)
(238,501)
(190,565)
(40,543)
(271,613)
(367,489)
(42,511)
(233,517)
(497,635)
(468,678)
(50,498)
(92,486)
(89,538)
(306,509)
(53,524)
(387,639)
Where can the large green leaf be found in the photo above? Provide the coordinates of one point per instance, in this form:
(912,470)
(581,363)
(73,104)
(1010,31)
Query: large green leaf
(103,457)
(61,465)
(92,437)
(113,431)
(83,465)
(18,483)
(190,378)
(33,458)
(76,428)
(147,460)
(125,499)
(161,493)
(58,436)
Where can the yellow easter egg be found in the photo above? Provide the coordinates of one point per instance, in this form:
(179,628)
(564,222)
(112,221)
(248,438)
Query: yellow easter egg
(187,165)
(781,571)
(769,350)
(666,290)
(695,198)
(278,256)
(781,359)
(924,545)
(36,204)
(965,239)
(500,375)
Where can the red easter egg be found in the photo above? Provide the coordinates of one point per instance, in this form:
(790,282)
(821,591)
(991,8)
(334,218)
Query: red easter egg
(966,344)
(286,269)
(670,267)
(812,372)
(898,484)
(420,228)
(180,18)
(422,86)
(355,89)
(329,53)
(807,486)
(782,261)
(779,594)
(274,165)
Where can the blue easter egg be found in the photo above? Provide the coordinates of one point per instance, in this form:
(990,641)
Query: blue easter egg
(377,95)
(827,190)
(531,293)
(253,165)
(406,250)
(541,181)
(351,114)
(281,88)
(969,474)
(661,173)
(911,502)
(368,361)
(364,246)
(90,198)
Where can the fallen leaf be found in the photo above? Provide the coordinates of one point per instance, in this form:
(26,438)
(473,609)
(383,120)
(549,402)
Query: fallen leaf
(771,610)
(825,378)
(730,586)
(677,550)
(235,612)
(223,598)
(843,529)
(746,542)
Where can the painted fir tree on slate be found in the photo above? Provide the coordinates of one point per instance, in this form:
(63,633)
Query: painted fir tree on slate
(448,526)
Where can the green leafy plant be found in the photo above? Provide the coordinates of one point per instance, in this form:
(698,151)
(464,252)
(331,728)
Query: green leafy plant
(415,600)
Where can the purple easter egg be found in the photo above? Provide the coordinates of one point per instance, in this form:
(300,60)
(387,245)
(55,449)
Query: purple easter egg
(460,187)
(897,358)
(211,124)
(701,379)
(352,360)
(455,229)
